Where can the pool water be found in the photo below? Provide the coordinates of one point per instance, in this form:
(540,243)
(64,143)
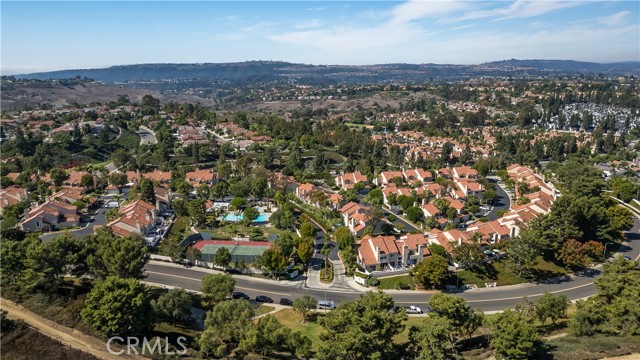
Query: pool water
(238,217)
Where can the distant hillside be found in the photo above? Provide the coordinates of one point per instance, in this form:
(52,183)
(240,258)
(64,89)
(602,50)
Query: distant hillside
(25,94)
(252,72)
(631,67)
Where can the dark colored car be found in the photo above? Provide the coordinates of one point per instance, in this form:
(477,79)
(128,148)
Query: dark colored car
(263,299)
(287,302)
(240,295)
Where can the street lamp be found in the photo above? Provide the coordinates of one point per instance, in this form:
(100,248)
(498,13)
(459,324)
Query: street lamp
(604,253)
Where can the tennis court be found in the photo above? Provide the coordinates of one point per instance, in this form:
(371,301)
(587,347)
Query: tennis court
(241,251)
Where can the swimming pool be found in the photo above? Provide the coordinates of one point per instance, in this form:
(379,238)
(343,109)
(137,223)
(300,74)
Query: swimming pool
(238,217)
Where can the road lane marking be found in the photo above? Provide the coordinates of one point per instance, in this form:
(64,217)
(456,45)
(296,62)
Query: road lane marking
(176,276)
(237,287)
(262,291)
(523,296)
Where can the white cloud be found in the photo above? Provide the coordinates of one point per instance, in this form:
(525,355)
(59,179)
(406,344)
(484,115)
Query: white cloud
(344,38)
(521,9)
(462,27)
(417,9)
(615,19)
(319,8)
(400,37)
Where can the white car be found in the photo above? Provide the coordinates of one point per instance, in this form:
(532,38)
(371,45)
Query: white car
(413,310)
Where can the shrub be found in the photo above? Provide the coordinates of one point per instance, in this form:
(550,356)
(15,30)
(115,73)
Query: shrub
(373,281)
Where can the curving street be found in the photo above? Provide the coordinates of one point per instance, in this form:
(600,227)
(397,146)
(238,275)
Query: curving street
(489,300)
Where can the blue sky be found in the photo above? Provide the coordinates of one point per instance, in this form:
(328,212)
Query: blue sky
(42,36)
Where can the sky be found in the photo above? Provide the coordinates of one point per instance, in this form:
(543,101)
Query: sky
(52,35)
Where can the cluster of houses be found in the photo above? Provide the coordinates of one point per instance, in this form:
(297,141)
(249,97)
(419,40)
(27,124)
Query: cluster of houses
(391,252)
(57,212)
(414,145)
(189,134)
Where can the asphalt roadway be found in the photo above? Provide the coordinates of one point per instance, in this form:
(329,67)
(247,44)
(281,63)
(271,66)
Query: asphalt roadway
(487,299)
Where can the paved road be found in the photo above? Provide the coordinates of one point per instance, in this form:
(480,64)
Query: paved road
(575,287)
(147,136)
(503,202)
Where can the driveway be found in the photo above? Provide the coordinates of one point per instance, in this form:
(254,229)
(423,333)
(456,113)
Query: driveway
(147,136)
(502,203)
(98,219)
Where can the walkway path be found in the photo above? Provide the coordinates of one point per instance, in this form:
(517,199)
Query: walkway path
(67,336)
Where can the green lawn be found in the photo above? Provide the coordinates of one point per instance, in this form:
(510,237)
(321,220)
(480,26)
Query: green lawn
(178,226)
(263,309)
(403,337)
(402,282)
(500,273)
(312,329)
(293,320)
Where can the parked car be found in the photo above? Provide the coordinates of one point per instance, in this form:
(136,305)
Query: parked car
(413,310)
(627,257)
(263,299)
(327,305)
(240,295)
(286,302)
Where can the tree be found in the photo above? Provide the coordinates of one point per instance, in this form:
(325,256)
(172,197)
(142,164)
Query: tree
(304,305)
(361,329)
(249,214)
(118,306)
(513,335)
(273,260)
(173,305)
(267,336)
(238,203)
(112,214)
(111,255)
(463,319)
(217,287)
(43,263)
(616,308)
(225,326)
(623,189)
(325,251)
(87,181)
(431,272)
(431,339)
(307,230)
(572,254)
(118,179)
(147,193)
(222,257)
(467,255)
(305,250)
(58,176)
(619,218)
(437,249)
(197,212)
(414,213)
(551,306)
(375,197)
(523,252)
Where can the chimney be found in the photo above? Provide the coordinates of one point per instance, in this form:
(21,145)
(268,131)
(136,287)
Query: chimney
(378,253)
(405,253)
